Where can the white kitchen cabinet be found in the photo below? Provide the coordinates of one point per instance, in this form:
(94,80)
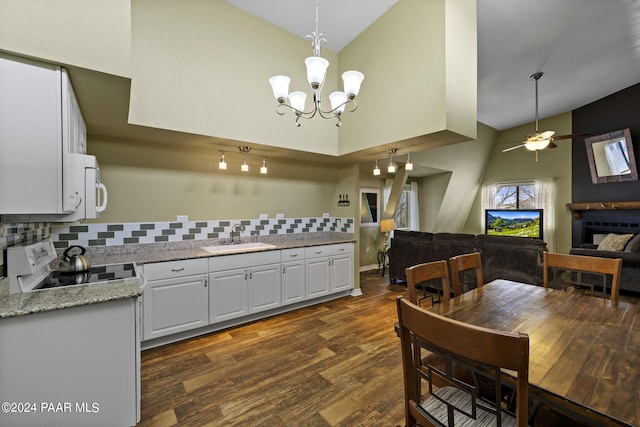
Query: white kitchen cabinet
(175,297)
(293,276)
(243,284)
(329,269)
(228,295)
(42,133)
(75,366)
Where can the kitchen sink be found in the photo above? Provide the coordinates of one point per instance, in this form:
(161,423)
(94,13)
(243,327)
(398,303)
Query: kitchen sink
(234,248)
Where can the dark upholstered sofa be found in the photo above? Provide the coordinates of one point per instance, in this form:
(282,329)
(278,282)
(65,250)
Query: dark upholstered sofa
(513,258)
(630,255)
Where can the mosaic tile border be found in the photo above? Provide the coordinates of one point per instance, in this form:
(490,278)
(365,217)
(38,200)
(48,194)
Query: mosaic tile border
(89,235)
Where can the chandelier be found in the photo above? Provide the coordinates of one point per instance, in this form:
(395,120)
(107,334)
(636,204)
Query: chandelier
(316,73)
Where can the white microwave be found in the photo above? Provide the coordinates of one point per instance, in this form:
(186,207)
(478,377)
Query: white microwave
(92,195)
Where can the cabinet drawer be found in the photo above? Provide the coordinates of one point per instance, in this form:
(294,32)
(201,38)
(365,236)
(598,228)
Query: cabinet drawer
(294,254)
(328,250)
(166,270)
(228,262)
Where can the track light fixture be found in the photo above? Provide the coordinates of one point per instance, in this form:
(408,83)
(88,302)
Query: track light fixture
(408,166)
(223,164)
(392,166)
(244,167)
(263,168)
(376,170)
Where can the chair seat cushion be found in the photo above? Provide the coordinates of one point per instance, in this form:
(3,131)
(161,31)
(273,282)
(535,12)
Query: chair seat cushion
(460,399)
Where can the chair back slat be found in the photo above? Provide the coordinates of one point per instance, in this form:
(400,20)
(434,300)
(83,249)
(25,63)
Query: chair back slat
(481,349)
(421,273)
(590,264)
(463,263)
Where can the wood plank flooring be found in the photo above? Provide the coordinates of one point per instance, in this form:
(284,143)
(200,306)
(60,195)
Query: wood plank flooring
(333,364)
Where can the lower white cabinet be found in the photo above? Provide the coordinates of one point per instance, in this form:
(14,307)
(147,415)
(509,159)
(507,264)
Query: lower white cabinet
(175,297)
(293,276)
(253,285)
(329,269)
(183,295)
(84,361)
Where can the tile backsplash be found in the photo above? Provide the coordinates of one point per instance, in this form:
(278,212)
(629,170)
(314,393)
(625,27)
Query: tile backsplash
(153,232)
(12,234)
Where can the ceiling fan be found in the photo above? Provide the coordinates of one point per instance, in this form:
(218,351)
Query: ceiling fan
(540,140)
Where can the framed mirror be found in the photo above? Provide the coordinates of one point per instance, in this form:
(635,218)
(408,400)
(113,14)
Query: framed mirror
(369,207)
(611,157)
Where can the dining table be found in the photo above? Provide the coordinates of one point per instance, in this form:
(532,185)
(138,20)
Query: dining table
(584,353)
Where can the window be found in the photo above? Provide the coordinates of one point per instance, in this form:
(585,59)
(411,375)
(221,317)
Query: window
(515,196)
(407,216)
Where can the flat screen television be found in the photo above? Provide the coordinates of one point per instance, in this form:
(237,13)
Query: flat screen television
(514,222)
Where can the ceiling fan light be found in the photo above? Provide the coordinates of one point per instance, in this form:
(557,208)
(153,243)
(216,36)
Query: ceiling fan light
(537,144)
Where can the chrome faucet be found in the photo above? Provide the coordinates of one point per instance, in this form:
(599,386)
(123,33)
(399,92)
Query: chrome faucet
(236,228)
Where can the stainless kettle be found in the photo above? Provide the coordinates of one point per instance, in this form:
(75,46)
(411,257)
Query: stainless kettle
(74,263)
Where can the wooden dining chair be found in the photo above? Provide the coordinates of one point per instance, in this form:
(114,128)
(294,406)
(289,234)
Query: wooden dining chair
(478,349)
(589,264)
(421,273)
(465,266)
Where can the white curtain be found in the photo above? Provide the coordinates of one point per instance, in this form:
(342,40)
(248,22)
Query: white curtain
(414,215)
(546,199)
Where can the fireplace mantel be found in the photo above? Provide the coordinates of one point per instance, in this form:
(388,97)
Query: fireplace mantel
(578,208)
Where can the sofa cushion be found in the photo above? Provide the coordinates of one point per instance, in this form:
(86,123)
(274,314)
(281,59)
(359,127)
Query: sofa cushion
(633,245)
(614,242)
(408,234)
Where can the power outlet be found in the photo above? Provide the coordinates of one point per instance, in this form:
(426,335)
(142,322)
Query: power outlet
(183,218)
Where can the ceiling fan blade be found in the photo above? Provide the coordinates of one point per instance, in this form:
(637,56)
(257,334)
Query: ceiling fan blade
(546,134)
(551,145)
(571,136)
(512,148)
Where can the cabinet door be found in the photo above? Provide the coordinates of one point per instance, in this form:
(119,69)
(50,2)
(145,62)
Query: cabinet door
(318,277)
(228,295)
(175,305)
(342,273)
(293,280)
(264,287)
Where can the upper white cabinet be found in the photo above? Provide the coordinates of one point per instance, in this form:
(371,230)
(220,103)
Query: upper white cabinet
(175,297)
(42,138)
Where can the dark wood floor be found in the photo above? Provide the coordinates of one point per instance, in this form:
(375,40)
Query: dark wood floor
(333,364)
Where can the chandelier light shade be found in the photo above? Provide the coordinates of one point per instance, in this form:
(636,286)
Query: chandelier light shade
(376,170)
(316,74)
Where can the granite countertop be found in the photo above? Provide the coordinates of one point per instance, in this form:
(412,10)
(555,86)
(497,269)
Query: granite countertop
(146,253)
(12,305)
